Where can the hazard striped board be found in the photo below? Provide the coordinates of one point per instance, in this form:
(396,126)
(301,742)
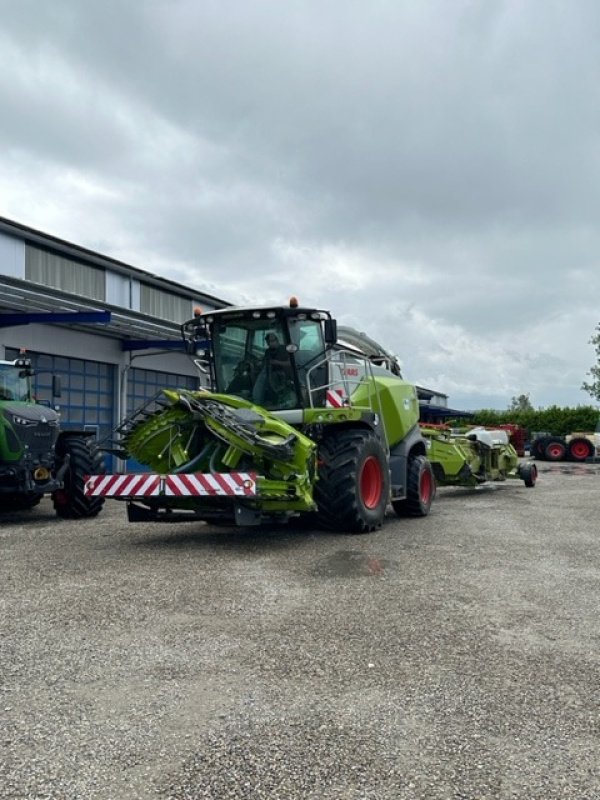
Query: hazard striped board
(136,485)
(183,485)
(221,483)
(335,398)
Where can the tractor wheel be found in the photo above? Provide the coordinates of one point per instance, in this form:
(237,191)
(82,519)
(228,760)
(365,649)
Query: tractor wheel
(353,486)
(420,489)
(71,502)
(528,472)
(538,448)
(580,449)
(555,449)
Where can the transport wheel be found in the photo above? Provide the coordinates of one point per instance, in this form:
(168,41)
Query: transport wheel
(84,459)
(353,486)
(528,472)
(420,489)
(580,449)
(555,450)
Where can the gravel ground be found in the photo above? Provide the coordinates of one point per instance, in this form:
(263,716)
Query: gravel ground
(449,657)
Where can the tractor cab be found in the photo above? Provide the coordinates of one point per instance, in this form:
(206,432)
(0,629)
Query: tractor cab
(275,357)
(15,381)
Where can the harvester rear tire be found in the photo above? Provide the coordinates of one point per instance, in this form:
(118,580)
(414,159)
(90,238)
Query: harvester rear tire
(420,489)
(71,502)
(555,449)
(353,488)
(580,449)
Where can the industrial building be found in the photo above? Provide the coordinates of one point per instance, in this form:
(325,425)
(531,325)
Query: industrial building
(111,331)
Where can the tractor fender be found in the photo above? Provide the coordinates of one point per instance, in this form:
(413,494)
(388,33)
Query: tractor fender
(71,434)
(367,422)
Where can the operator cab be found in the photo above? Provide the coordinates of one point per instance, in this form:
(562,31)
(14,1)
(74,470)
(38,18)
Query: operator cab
(15,380)
(270,356)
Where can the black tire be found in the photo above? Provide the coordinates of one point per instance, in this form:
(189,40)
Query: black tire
(353,486)
(528,472)
(84,459)
(420,489)
(538,448)
(580,449)
(555,449)
(19,502)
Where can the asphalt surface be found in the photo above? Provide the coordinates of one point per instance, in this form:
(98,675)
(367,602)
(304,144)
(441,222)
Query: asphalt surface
(454,656)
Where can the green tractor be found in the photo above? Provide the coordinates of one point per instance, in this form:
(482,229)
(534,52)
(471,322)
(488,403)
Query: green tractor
(293,424)
(36,457)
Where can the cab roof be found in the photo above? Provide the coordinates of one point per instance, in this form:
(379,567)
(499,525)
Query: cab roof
(233,312)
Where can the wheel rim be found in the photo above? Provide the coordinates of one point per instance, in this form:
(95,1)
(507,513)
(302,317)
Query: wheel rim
(371,482)
(580,450)
(425,486)
(556,450)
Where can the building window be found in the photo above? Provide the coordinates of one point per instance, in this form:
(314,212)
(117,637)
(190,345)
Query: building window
(164,305)
(50,269)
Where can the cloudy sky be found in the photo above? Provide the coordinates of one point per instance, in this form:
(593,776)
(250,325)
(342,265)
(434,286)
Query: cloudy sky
(429,171)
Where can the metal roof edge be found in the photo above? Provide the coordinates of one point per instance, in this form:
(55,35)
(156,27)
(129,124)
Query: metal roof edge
(91,256)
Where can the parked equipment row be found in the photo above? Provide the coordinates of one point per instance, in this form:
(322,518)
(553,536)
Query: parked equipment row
(563,448)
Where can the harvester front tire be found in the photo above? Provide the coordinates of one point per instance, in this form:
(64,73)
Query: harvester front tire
(353,488)
(580,449)
(420,489)
(71,502)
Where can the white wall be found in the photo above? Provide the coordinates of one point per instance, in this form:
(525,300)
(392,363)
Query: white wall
(57,340)
(118,289)
(12,256)
(122,290)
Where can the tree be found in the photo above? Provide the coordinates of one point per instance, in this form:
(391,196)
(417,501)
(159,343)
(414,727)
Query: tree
(520,403)
(593,387)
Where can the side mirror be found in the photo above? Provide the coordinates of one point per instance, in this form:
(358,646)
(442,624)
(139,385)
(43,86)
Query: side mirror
(330,331)
(56,386)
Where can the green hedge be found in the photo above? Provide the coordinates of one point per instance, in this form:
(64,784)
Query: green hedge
(555,420)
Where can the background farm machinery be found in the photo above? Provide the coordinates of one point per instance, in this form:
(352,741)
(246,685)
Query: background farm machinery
(576,447)
(475,456)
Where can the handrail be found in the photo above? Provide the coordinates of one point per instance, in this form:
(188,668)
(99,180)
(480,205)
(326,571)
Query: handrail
(353,371)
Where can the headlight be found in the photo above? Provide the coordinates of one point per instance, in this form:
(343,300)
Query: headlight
(23,421)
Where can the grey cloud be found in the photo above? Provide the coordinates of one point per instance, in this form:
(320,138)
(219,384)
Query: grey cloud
(459,141)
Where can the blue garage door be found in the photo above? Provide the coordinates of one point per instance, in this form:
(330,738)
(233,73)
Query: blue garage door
(143,385)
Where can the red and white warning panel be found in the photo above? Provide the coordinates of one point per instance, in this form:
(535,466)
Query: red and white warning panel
(335,398)
(122,485)
(217,483)
(184,485)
